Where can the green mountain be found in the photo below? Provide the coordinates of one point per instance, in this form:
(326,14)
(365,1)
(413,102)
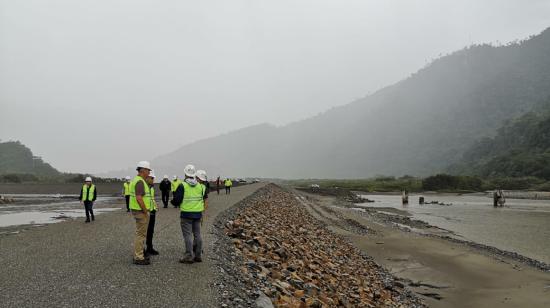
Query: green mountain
(521,148)
(17,158)
(418,126)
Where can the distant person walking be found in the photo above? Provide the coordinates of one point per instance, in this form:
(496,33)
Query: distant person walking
(228,183)
(140,204)
(165,187)
(191,197)
(126,192)
(152,215)
(218,182)
(88,194)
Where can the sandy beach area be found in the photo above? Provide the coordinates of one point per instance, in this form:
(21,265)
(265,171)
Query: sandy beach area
(444,273)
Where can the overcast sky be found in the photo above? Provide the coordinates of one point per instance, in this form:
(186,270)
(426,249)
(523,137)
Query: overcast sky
(98,85)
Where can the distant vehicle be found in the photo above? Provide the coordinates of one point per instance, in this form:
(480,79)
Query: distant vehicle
(314,186)
(240,180)
(256,181)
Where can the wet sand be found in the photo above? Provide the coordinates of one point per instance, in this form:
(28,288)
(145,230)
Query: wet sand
(444,273)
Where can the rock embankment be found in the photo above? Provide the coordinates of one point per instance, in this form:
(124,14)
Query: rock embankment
(284,253)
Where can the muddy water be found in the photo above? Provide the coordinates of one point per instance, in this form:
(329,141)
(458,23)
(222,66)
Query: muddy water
(42,209)
(522,226)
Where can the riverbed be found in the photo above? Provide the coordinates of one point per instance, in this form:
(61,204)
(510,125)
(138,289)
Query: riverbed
(39,209)
(521,226)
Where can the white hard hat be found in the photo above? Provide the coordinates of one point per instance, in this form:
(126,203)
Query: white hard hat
(88,179)
(189,170)
(165,176)
(174,177)
(201,174)
(144,164)
(127,178)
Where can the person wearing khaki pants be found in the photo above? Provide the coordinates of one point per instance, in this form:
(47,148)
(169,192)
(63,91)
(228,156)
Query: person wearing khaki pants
(140,200)
(142,221)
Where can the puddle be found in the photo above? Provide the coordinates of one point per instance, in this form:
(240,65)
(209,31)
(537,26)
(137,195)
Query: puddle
(44,217)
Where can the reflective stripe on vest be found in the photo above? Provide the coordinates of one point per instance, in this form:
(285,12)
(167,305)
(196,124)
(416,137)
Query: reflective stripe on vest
(88,194)
(134,205)
(193,198)
(126,188)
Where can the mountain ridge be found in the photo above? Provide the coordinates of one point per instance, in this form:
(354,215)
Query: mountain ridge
(419,125)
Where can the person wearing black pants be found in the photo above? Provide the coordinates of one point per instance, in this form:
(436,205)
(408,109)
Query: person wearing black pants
(165,187)
(88,195)
(152,215)
(150,232)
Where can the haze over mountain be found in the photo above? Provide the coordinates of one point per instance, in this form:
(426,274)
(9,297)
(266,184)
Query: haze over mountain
(418,126)
(77,77)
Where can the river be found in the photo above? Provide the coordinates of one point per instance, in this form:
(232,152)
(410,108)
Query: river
(521,226)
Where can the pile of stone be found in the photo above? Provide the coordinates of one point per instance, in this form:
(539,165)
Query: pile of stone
(294,260)
(340,193)
(5,200)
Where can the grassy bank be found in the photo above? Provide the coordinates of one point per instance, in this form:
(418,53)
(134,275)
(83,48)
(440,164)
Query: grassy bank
(439,183)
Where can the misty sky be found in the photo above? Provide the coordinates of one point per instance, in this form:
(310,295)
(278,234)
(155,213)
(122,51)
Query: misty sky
(97,85)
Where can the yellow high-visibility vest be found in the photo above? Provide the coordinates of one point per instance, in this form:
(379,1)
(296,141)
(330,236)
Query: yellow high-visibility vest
(134,205)
(193,198)
(88,193)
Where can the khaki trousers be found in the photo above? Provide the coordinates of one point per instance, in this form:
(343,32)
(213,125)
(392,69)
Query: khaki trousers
(142,221)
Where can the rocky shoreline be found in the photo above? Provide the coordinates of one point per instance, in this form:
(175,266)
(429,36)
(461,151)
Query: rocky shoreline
(270,250)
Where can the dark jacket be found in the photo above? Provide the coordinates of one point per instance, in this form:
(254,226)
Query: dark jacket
(94,197)
(165,185)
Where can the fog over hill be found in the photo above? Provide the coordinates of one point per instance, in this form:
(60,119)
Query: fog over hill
(417,126)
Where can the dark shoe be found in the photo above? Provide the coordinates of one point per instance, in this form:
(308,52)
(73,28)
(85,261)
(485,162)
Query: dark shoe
(93,218)
(87,220)
(142,262)
(152,252)
(186,260)
(197,259)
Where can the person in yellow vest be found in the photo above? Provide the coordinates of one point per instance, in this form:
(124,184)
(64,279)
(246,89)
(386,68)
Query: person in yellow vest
(175,183)
(140,205)
(126,192)
(192,198)
(228,183)
(152,215)
(88,194)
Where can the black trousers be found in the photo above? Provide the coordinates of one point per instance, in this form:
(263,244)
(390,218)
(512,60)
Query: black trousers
(88,206)
(165,197)
(150,230)
(127,197)
(227,190)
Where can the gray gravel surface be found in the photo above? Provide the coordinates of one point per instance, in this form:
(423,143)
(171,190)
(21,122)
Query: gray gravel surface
(73,264)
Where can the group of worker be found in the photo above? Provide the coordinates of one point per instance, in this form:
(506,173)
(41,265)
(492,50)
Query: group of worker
(190,195)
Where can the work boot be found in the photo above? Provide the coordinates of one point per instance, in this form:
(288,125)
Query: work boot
(93,217)
(87,220)
(197,259)
(142,262)
(187,260)
(152,252)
